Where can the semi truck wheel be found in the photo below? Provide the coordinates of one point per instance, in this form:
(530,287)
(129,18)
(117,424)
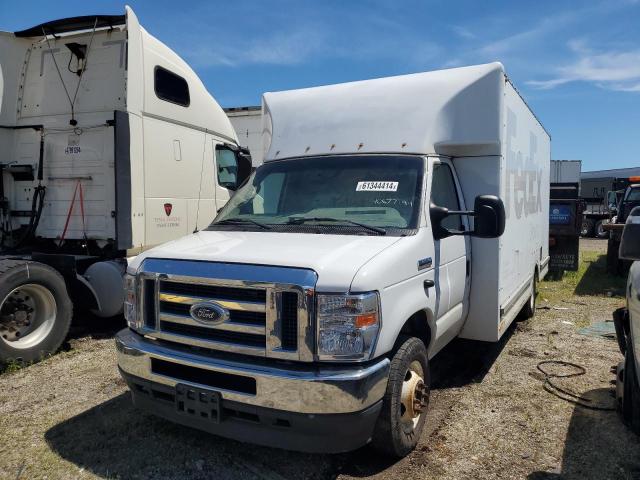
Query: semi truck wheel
(631,392)
(529,309)
(587,228)
(404,407)
(35,310)
(599,230)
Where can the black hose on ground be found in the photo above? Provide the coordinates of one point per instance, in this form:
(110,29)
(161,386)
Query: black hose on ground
(562,393)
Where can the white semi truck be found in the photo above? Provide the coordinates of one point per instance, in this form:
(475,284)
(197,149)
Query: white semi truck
(109,144)
(390,216)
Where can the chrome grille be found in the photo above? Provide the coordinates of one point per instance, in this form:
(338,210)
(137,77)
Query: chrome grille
(266,318)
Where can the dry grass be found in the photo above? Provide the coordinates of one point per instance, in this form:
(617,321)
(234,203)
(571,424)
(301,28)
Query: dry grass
(71,417)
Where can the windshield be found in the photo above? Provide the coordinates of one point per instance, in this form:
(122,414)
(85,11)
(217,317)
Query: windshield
(633,195)
(365,192)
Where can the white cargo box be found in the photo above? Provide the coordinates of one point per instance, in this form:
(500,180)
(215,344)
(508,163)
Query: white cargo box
(472,115)
(565,171)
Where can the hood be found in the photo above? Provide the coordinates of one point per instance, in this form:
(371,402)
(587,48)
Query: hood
(335,258)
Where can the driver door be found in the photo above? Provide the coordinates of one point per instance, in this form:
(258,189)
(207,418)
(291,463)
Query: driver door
(451,252)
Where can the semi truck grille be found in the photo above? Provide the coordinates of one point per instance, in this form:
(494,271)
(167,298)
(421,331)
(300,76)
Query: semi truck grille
(261,318)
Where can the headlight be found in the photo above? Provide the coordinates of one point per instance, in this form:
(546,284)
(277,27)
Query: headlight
(348,326)
(131,300)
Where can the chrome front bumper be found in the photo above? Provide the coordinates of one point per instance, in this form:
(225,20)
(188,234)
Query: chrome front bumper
(300,388)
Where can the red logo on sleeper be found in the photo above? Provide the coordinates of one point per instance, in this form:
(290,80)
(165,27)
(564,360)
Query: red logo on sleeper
(167,208)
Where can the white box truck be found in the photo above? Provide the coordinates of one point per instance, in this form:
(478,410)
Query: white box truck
(389,217)
(109,144)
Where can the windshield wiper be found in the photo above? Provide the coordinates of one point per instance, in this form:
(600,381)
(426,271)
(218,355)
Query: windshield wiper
(241,221)
(301,220)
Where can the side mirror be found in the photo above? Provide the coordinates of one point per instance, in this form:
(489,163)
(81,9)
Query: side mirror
(244,166)
(489,214)
(438,214)
(630,241)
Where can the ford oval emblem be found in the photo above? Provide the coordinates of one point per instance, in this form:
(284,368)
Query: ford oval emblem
(209,313)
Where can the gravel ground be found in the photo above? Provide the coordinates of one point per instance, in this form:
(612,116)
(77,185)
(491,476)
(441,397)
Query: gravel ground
(70,416)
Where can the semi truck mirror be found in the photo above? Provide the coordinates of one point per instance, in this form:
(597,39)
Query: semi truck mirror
(244,166)
(630,241)
(489,214)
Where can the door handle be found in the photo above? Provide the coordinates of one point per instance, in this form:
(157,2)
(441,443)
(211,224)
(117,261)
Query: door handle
(429,284)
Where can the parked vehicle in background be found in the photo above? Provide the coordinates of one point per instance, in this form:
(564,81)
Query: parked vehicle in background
(627,322)
(97,121)
(565,216)
(629,199)
(247,122)
(602,191)
(306,315)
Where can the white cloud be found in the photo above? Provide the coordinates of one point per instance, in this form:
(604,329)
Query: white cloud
(612,70)
(281,48)
(464,32)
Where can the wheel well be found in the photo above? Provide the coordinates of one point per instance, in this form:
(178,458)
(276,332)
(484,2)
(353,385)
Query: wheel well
(418,326)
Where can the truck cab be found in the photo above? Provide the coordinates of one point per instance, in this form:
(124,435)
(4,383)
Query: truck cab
(110,144)
(306,315)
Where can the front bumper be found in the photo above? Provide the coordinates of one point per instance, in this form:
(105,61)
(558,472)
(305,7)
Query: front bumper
(295,406)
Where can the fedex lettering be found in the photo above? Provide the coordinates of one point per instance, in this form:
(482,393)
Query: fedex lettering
(523,179)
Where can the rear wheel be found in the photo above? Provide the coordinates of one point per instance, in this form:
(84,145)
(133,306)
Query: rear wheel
(529,309)
(406,400)
(587,227)
(35,310)
(599,229)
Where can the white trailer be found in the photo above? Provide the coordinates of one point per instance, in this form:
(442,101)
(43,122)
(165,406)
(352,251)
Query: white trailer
(110,144)
(247,122)
(565,171)
(389,217)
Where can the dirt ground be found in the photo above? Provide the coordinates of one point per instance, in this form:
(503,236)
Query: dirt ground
(71,417)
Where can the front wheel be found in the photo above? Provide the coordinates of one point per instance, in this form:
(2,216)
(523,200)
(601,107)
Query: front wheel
(404,407)
(35,311)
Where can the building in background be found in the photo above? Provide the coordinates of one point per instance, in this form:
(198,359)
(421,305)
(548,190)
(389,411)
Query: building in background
(247,122)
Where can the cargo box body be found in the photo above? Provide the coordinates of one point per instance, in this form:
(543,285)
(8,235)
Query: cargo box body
(473,116)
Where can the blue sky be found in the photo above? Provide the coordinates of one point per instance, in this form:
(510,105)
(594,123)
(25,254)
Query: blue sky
(576,63)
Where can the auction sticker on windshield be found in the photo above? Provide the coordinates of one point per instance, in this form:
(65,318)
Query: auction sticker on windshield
(377,187)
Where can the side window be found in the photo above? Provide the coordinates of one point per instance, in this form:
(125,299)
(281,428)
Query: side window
(444,194)
(171,87)
(227,168)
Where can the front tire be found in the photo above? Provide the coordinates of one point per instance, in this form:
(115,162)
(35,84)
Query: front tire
(405,404)
(35,311)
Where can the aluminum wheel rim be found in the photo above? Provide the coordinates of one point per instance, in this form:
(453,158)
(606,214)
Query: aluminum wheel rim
(414,397)
(38,323)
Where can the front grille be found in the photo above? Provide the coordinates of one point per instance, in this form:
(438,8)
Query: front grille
(205,333)
(263,319)
(214,291)
(289,316)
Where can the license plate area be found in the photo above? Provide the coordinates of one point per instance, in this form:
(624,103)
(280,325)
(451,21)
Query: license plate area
(200,403)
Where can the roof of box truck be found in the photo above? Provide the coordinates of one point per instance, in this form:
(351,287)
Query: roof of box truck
(445,111)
